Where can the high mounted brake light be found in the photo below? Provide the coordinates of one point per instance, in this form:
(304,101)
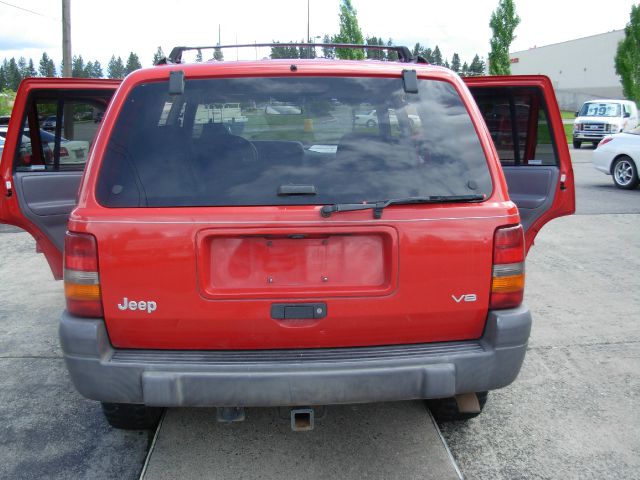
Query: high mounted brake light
(81,279)
(507,278)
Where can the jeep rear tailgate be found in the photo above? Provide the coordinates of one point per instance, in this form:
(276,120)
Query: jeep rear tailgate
(421,275)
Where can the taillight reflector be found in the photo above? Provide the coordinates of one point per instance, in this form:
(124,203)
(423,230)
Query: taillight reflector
(81,278)
(604,141)
(507,279)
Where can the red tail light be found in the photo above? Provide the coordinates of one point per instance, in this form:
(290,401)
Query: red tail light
(81,279)
(64,152)
(507,279)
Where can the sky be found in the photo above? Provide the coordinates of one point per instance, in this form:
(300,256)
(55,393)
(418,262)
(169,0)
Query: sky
(101,29)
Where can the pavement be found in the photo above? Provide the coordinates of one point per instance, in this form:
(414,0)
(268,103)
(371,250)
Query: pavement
(572,412)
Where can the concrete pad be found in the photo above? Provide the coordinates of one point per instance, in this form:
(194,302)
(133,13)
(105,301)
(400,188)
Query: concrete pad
(392,440)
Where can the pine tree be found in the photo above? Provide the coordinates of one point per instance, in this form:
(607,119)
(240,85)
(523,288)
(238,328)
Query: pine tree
(349,32)
(392,56)
(115,69)
(374,54)
(13,75)
(22,67)
(97,70)
(627,59)
(78,67)
(133,63)
(217,54)
(46,67)
(503,23)
(437,56)
(477,66)
(3,76)
(465,69)
(328,52)
(455,63)
(427,53)
(159,55)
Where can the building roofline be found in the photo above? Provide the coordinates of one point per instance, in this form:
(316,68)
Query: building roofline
(566,41)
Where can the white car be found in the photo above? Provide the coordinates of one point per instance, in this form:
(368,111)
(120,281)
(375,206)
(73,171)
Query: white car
(71,151)
(370,119)
(619,156)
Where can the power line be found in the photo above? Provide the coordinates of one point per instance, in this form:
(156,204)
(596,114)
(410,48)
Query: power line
(29,11)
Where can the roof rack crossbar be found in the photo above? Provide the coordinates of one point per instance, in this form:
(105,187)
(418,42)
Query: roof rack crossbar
(404,54)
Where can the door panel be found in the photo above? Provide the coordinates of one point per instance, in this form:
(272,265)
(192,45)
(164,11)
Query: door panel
(523,119)
(49,198)
(531,189)
(49,136)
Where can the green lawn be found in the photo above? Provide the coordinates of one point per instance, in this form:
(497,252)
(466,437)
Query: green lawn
(566,114)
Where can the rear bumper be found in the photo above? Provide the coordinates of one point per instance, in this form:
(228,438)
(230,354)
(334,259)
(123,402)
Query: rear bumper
(293,377)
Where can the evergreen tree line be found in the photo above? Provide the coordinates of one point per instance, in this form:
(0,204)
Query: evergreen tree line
(13,71)
(433,56)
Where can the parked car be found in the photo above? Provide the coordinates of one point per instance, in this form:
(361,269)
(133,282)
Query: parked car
(618,155)
(370,118)
(71,151)
(49,123)
(299,263)
(599,118)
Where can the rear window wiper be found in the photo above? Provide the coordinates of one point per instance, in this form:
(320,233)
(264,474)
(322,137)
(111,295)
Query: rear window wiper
(377,207)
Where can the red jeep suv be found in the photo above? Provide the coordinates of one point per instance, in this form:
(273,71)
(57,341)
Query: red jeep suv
(279,253)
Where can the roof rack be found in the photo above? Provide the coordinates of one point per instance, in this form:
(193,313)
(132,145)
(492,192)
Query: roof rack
(404,54)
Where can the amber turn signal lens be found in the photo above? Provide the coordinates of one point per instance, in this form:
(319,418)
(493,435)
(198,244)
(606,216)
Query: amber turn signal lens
(507,284)
(74,291)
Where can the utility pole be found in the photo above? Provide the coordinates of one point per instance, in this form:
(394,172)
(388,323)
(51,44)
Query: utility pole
(66,38)
(67,116)
(308,34)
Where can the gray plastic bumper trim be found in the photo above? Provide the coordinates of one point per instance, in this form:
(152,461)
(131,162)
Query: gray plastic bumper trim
(293,377)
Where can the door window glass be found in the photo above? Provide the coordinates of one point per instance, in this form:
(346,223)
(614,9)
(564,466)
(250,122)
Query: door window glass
(519,125)
(57,134)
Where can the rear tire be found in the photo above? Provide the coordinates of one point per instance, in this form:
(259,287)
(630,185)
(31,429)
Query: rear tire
(625,173)
(128,416)
(446,409)
(576,144)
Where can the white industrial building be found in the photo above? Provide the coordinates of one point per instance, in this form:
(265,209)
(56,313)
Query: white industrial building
(581,69)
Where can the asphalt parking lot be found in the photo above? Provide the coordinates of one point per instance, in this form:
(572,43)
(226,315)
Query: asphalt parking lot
(572,412)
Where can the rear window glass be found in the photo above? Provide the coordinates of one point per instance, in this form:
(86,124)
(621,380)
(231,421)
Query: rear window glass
(242,141)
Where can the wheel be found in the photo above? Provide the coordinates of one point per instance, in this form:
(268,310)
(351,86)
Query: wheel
(446,409)
(128,416)
(595,144)
(625,173)
(371,123)
(576,144)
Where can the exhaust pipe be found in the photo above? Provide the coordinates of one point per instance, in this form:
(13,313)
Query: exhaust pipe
(302,419)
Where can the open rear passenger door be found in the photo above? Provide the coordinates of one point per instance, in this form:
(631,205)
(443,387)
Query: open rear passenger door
(47,142)
(524,121)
